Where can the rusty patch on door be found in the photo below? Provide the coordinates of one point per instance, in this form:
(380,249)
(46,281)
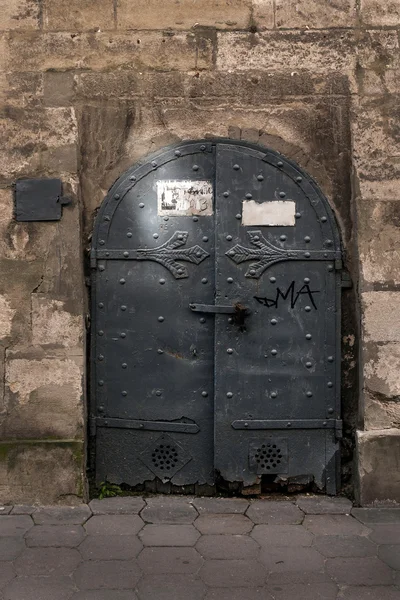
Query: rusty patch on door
(185,198)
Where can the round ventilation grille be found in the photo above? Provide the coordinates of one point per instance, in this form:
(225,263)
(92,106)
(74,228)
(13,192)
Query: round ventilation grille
(268,456)
(164,457)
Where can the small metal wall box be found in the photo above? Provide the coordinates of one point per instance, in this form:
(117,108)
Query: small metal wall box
(39,200)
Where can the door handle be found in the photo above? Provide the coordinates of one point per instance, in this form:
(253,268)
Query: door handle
(219,309)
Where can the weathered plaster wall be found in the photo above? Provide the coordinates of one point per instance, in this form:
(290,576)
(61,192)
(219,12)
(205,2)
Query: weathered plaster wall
(88,87)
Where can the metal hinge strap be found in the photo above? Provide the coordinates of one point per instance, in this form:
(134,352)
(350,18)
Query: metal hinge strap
(146,425)
(286,424)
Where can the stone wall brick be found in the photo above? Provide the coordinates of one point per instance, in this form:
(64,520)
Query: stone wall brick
(20,14)
(20,150)
(289,51)
(376,146)
(378,459)
(381,316)
(46,398)
(7,313)
(41,472)
(6,216)
(378,62)
(378,13)
(315,14)
(27,134)
(183,14)
(127,84)
(382,386)
(382,370)
(149,50)
(21,89)
(53,324)
(263,15)
(379,242)
(257,87)
(59,88)
(78,15)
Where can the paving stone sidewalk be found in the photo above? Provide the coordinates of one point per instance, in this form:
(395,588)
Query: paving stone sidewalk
(179,548)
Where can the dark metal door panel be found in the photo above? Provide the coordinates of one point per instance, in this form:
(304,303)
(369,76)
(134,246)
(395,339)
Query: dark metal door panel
(277,372)
(154,356)
(188,303)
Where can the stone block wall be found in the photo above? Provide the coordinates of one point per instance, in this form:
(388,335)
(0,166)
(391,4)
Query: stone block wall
(88,87)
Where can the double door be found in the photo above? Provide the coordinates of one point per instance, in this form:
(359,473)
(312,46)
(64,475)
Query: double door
(216,319)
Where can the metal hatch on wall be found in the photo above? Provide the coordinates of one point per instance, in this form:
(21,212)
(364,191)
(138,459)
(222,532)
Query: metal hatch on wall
(216,321)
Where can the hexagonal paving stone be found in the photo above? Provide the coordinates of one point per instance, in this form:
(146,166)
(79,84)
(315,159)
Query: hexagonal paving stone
(5,510)
(305,578)
(233,573)
(23,509)
(274,513)
(223,524)
(282,535)
(239,594)
(105,595)
(111,574)
(11,547)
(377,515)
(110,547)
(284,559)
(168,509)
(47,561)
(114,525)
(35,588)
(169,535)
(170,560)
(171,587)
(7,573)
(333,546)
(301,591)
(224,506)
(61,515)
(227,547)
(390,554)
(125,505)
(59,536)
(359,571)
(324,505)
(372,593)
(11,525)
(334,525)
(385,534)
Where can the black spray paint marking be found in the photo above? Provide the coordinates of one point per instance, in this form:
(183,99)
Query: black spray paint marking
(291,294)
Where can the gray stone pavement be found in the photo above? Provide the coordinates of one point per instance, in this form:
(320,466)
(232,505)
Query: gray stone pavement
(180,548)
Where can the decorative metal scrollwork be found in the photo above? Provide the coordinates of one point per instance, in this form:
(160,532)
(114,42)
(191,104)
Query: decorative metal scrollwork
(168,254)
(266,254)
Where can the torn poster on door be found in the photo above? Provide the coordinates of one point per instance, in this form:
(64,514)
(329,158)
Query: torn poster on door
(272,213)
(184,198)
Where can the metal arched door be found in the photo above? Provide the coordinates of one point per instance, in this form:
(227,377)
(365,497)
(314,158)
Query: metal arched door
(216,320)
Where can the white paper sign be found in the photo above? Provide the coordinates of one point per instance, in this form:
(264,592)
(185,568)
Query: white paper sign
(185,198)
(273,213)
